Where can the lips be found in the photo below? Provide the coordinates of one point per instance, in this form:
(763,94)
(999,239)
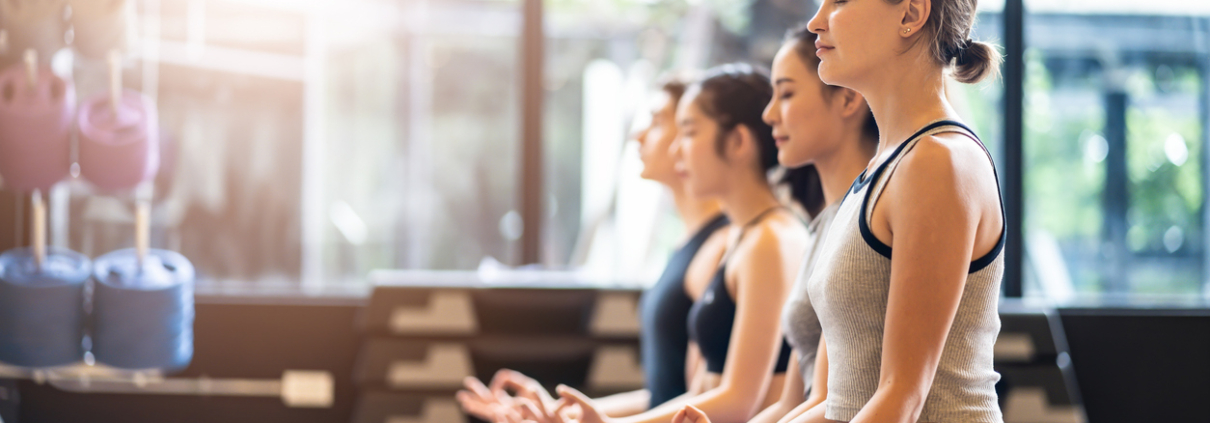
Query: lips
(681,171)
(780,141)
(821,47)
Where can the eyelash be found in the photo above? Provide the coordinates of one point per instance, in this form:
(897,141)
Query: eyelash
(786,96)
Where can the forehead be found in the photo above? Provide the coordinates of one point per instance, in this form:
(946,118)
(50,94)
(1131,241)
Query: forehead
(787,62)
(663,102)
(688,108)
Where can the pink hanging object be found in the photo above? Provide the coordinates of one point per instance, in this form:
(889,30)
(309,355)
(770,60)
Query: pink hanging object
(35,128)
(119,148)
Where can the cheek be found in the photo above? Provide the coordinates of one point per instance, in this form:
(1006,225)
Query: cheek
(696,155)
(799,115)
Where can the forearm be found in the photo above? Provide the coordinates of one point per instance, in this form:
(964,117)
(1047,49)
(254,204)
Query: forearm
(625,403)
(812,414)
(799,410)
(892,404)
(773,413)
(791,397)
(721,404)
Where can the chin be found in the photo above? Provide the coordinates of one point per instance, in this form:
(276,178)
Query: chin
(700,192)
(829,74)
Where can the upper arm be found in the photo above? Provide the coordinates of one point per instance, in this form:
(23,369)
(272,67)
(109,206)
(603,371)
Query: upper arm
(693,358)
(934,220)
(762,285)
(819,383)
(792,391)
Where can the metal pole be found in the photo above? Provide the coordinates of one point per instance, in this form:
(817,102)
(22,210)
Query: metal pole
(1014,124)
(531,186)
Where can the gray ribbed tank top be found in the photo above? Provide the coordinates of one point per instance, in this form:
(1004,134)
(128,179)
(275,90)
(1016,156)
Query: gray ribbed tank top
(849,289)
(798,317)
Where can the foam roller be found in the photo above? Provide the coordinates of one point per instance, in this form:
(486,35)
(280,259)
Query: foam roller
(119,148)
(142,316)
(35,128)
(100,26)
(42,309)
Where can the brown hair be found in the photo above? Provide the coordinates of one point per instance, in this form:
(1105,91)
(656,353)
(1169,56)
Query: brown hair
(675,88)
(949,23)
(804,45)
(736,94)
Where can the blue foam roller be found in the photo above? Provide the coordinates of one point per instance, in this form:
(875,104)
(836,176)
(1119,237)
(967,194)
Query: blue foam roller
(42,309)
(142,317)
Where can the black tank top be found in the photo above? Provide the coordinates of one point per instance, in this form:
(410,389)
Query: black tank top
(663,310)
(712,318)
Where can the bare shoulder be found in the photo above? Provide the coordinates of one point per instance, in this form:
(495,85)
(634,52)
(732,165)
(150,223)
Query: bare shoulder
(770,251)
(949,181)
(942,162)
(779,234)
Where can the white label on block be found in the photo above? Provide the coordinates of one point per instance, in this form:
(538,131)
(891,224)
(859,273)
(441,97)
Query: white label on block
(617,314)
(311,389)
(449,312)
(445,366)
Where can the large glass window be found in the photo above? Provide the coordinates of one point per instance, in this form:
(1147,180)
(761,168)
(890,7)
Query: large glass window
(602,61)
(311,143)
(421,141)
(230,96)
(1115,128)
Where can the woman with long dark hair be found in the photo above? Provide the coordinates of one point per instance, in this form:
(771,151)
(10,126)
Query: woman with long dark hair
(664,307)
(727,152)
(830,129)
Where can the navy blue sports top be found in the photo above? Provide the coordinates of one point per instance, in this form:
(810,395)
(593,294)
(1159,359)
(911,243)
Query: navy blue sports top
(713,316)
(664,339)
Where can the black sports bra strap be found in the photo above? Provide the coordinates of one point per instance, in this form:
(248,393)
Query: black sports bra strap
(744,229)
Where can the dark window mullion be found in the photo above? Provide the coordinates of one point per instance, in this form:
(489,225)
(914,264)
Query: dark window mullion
(1014,109)
(530,201)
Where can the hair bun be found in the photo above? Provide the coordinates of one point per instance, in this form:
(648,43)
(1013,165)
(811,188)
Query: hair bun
(974,61)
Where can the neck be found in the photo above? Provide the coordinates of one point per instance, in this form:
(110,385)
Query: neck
(747,198)
(907,99)
(695,212)
(838,170)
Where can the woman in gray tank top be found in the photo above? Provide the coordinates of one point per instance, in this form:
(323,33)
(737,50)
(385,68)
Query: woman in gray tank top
(831,129)
(910,338)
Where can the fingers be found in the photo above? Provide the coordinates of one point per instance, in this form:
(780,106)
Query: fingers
(588,410)
(521,385)
(531,410)
(512,379)
(476,406)
(567,392)
(679,417)
(474,385)
(693,415)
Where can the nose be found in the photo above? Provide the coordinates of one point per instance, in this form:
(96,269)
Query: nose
(640,135)
(818,23)
(674,149)
(770,115)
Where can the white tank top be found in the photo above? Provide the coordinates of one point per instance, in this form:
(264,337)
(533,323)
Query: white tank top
(848,290)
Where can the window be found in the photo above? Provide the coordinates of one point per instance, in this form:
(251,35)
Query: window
(421,141)
(602,60)
(1115,121)
(370,134)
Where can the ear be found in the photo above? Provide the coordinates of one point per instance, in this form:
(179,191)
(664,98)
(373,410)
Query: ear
(915,15)
(741,142)
(852,103)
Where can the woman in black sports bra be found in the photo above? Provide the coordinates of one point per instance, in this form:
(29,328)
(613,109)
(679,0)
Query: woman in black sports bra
(664,307)
(726,152)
